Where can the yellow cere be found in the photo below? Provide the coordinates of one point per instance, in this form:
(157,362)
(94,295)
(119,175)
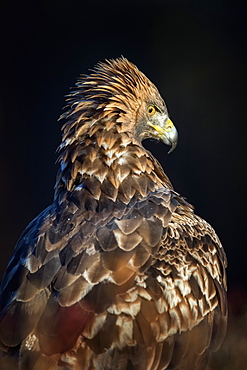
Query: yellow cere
(168,127)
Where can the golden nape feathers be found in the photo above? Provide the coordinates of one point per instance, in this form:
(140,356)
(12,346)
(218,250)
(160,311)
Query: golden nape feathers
(118,272)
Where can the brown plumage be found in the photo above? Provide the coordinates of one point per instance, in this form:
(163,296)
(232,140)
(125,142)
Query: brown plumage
(118,273)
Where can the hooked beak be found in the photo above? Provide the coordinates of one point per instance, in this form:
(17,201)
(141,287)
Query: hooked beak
(167,133)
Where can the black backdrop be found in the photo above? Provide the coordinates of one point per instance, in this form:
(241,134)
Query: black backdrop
(194,51)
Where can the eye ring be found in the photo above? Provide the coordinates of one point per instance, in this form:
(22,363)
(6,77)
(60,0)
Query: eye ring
(151,110)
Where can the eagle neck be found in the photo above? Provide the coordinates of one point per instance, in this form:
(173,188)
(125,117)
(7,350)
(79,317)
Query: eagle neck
(110,159)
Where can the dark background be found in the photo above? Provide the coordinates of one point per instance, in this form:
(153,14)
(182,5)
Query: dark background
(194,51)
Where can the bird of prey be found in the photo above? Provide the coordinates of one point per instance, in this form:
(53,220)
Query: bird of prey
(118,272)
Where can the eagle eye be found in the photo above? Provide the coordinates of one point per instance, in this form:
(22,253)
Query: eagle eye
(151,110)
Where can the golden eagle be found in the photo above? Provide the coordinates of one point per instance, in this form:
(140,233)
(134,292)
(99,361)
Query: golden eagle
(118,272)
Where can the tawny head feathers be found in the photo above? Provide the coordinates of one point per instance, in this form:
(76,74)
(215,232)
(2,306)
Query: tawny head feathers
(117,95)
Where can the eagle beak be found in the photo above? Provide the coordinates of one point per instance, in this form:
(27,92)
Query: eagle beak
(167,133)
(170,135)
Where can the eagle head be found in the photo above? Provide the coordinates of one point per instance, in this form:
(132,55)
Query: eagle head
(117,95)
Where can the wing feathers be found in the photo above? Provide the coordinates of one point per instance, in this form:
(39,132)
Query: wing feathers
(20,318)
